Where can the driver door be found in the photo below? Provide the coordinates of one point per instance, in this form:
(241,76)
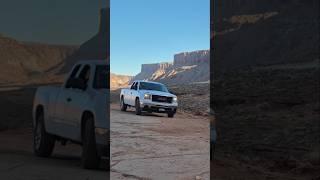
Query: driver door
(60,125)
(77,98)
(130,95)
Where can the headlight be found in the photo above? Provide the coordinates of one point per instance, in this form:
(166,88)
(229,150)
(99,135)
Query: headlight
(175,99)
(147,96)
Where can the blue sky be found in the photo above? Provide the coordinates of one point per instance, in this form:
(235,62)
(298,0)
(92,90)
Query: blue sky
(151,31)
(70,22)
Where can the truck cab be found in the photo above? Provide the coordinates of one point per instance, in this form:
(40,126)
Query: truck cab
(77,111)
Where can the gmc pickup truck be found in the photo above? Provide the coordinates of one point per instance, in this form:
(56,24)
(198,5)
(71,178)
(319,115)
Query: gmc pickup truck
(148,96)
(76,112)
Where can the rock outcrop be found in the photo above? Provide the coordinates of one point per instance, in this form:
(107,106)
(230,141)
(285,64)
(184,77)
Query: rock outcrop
(25,62)
(96,48)
(153,71)
(187,67)
(191,58)
(119,81)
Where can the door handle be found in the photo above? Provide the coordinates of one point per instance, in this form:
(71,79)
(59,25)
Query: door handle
(69,99)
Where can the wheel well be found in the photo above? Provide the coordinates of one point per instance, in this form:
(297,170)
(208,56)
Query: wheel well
(39,109)
(84,117)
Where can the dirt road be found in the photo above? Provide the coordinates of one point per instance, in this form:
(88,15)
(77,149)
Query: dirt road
(153,146)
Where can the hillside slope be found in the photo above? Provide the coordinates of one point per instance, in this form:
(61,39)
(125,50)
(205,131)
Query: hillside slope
(265,33)
(26,62)
(119,81)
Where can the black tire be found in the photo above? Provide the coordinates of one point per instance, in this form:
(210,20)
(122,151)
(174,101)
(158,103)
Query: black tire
(123,106)
(171,114)
(212,148)
(90,158)
(43,142)
(137,106)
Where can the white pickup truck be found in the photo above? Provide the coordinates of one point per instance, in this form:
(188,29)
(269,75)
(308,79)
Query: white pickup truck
(148,96)
(78,112)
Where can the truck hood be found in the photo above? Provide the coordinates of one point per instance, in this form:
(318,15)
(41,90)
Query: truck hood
(159,93)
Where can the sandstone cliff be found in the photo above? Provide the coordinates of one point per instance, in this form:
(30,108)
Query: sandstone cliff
(187,67)
(98,47)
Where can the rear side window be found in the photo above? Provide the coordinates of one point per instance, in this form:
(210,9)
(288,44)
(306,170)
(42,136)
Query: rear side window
(101,79)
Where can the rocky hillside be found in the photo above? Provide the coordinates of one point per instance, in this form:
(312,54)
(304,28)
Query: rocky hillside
(26,62)
(119,81)
(268,32)
(187,67)
(266,92)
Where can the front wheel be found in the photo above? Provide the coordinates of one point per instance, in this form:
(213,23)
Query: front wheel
(43,142)
(171,114)
(123,106)
(137,106)
(90,158)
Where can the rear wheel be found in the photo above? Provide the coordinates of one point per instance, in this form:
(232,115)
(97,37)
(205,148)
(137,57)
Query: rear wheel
(171,114)
(137,106)
(90,158)
(43,142)
(123,106)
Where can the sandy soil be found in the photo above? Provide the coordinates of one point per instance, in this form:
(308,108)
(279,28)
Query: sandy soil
(153,146)
(269,117)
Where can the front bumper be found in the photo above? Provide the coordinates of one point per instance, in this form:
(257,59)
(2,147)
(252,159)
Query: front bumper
(103,141)
(159,108)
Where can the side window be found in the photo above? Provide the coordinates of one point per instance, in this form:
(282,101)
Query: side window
(72,75)
(85,74)
(75,70)
(136,86)
(101,77)
(133,85)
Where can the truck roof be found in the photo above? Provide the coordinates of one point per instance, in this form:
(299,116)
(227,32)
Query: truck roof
(147,81)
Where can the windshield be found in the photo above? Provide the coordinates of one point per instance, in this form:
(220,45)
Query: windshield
(101,79)
(152,86)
